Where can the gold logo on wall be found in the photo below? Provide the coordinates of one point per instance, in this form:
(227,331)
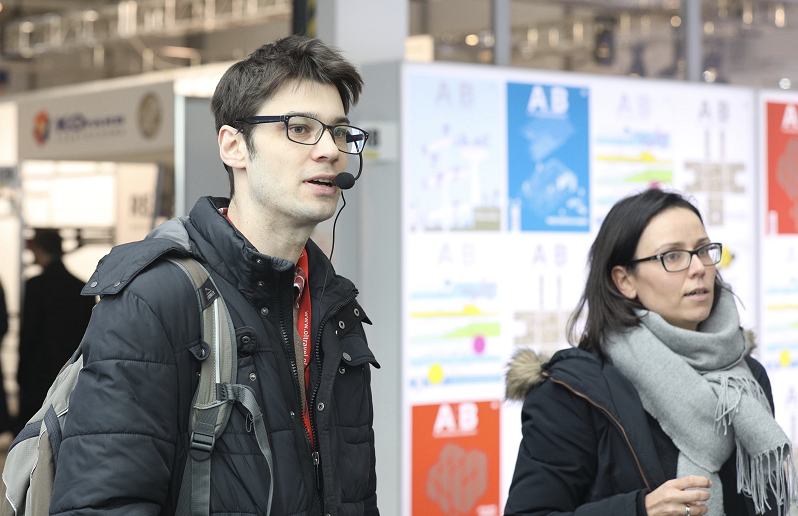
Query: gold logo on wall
(149,115)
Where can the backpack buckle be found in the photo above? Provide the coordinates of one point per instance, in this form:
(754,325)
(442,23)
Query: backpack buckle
(224,392)
(201,444)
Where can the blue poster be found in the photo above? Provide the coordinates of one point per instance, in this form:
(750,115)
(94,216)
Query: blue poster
(548,183)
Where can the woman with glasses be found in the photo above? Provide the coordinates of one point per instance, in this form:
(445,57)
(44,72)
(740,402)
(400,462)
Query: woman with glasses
(659,409)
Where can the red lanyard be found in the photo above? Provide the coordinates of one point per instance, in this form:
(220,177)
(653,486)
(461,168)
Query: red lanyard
(303,303)
(303,327)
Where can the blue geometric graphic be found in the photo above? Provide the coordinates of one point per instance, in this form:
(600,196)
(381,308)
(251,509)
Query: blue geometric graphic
(549,155)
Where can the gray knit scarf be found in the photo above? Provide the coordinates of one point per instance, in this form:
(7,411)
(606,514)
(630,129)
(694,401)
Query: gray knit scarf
(700,390)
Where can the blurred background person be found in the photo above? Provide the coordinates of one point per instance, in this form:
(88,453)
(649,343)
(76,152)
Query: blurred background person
(54,318)
(660,409)
(5,419)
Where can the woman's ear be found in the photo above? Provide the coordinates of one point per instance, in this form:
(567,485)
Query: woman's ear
(233,148)
(624,281)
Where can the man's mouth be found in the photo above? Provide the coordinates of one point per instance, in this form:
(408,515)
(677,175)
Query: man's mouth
(322,182)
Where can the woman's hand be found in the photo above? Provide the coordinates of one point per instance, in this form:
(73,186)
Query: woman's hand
(674,496)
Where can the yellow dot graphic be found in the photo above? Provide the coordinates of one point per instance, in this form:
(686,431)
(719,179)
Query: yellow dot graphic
(784,358)
(435,374)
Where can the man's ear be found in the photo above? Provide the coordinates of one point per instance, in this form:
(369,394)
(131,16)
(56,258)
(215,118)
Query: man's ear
(232,147)
(624,281)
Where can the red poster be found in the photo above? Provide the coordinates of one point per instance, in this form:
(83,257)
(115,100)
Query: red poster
(456,459)
(782,163)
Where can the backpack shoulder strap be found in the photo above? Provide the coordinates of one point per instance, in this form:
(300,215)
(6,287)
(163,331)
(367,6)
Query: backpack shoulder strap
(218,356)
(215,394)
(209,414)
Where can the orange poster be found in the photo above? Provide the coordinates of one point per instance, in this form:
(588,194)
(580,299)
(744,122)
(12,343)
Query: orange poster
(456,459)
(782,163)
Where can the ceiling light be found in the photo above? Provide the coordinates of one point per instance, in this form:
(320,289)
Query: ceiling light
(554,37)
(748,13)
(675,21)
(780,18)
(785,83)
(532,37)
(471,40)
(579,33)
(645,24)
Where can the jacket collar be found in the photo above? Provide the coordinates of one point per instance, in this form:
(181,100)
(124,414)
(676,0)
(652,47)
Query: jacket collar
(230,254)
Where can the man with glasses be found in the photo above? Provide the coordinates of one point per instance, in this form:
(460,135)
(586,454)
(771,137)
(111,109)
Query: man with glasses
(284,137)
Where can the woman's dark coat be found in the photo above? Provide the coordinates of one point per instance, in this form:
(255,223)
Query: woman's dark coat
(587,446)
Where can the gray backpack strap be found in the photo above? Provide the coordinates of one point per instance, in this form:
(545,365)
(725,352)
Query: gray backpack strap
(214,396)
(243,394)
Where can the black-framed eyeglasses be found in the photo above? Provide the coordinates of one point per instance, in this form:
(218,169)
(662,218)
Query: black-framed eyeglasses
(680,259)
(307,130)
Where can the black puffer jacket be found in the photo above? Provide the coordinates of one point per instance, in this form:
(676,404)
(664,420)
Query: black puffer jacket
(126,437)
(588,447)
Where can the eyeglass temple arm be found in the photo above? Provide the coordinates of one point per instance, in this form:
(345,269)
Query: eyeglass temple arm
(356,137)
(649,259)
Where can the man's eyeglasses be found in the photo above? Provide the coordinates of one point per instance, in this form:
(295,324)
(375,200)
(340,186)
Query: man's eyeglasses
(679,259)
(307,130)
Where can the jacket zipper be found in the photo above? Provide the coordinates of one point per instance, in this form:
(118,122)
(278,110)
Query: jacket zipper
(614,420)
(289,351)
(317,355)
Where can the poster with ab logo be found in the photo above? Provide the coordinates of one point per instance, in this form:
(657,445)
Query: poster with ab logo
(548,158)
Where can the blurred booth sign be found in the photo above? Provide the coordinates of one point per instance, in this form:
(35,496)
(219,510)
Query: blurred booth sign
(136,190)
(9,176)
(124,124)
(383,142)
(420,48)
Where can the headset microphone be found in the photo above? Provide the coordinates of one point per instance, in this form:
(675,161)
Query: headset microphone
(345,180)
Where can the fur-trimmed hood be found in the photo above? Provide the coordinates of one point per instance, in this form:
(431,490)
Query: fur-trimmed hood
(524,371)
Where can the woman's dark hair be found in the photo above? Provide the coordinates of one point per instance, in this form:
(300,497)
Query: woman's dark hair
(616,244)
(247,84)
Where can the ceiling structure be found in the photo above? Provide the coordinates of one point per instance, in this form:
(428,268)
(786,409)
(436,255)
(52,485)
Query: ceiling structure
(48,43)
(745,42)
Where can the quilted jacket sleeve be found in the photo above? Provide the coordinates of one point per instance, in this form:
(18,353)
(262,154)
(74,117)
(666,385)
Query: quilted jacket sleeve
(122,428)
(557,460)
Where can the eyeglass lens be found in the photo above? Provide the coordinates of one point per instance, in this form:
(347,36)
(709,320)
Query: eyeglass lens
(308,131)
(679,260)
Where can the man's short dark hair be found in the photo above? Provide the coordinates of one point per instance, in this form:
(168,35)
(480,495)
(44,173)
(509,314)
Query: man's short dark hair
(247,84)
(49,241)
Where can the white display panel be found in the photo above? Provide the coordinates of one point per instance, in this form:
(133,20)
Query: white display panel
(778,219)
(69,194)
(506,177)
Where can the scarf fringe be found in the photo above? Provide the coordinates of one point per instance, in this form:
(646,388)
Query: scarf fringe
(730,392)
(774,471)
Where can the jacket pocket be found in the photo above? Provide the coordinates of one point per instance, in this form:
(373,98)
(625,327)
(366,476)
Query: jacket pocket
(352,390)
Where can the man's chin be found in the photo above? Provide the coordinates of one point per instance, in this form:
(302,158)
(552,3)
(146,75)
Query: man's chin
(322,215)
